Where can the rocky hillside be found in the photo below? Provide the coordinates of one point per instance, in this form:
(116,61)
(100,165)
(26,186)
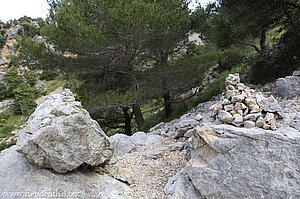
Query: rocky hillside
(63,153)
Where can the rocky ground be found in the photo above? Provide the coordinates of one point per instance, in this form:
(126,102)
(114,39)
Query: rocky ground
(194,156)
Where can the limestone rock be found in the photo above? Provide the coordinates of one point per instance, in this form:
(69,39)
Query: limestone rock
(228,107)
(122,144)
(288,87)
(232,79)
(269,104)
(240,106)
(215,109)
(62,136)
(19,176)
(249,124)
(198,117)
(252,116)
(231,162)
(260,122)
(240,103)
(225,117)
(181,187)
(229,94)
(238,98)
(238,120)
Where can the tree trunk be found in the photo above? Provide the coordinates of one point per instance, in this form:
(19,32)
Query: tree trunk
(128,118)
(168,104)
(138,115)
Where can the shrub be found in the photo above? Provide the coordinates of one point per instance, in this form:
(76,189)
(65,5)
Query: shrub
(230,57)
(31,77)
(25,96)
(12,78)
(9,121)
(49,75)
(5,92)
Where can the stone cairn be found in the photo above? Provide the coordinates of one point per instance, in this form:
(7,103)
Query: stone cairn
(241,106)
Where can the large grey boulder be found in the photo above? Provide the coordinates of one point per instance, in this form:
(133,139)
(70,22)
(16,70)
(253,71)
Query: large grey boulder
(288,87)
(18,176)
(62,136)
(232,162)
(181,187)
(139,141)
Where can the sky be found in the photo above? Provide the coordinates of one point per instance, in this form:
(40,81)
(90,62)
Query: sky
(14,9)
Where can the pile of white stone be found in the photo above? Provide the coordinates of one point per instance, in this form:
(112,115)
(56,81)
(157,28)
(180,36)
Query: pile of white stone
(243,107)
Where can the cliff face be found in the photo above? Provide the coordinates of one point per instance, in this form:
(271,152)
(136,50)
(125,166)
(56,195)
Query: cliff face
(194,156)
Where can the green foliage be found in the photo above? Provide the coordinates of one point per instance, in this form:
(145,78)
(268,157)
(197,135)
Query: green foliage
(13,78)
(53,85)
(49,74)
(5,92)
(31,77)
(9,121)
(153,120)
(231,57)
(217,86)
(29,27)
(274,35)
(5,145)
(25,96)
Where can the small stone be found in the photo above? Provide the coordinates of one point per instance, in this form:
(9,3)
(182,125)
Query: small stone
(266,126)
(246,111)
(229,107)
(255,109)
(229,94)
(269,117)
(249,124)
(189,133)
(273,127)
(215,109)
(252,116)
(240,106)
(238,98)
(269,104)
(240,112)
(238,120)
(199,117)
(230,87)
(225,117)
(233,112)
(252,104)
(225,102)
(260,122)
(240,86)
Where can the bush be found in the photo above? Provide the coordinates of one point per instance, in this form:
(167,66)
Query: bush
(12,78)
(9,121)
(230,57)
(4,92)
(31,77)
(25,96)
(49,75)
